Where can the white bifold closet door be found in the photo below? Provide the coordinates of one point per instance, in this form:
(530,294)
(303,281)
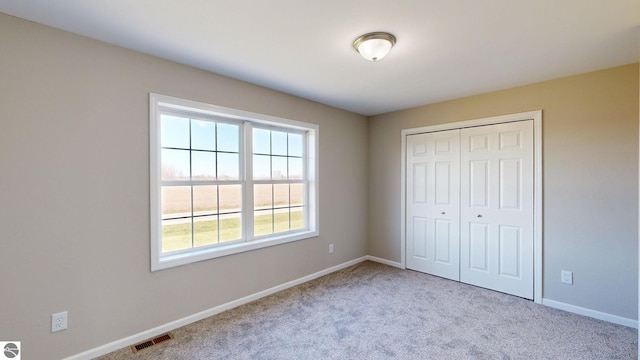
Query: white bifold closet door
(496,213)
(470,206)
(433,203)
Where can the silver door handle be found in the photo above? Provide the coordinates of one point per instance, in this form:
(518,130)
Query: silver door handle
(479,215)
(442,213)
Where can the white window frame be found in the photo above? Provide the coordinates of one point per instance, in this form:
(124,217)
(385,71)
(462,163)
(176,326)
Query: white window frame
(159,103)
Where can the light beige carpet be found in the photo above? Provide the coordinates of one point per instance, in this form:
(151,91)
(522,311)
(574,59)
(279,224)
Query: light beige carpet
(373,311)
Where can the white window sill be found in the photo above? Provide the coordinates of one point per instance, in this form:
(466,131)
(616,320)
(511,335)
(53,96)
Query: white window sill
(173,260)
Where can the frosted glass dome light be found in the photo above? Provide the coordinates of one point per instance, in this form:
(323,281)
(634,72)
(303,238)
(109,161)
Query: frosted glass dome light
(374,46)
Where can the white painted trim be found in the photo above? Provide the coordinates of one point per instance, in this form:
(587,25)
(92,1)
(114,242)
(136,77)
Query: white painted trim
(384,261)
(529,115)
(244,119)
(639,203)
(537,206)
(403,197)
(591,313)
(536,116)
(130,340)
(154,184)
(225,112)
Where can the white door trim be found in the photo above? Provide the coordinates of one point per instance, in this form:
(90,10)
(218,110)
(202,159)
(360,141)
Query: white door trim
(536,116)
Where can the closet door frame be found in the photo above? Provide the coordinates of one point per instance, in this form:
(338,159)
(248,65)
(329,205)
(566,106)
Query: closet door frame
(536,116)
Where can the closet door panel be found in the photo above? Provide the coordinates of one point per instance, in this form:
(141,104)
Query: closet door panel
(433,203)
(496,209)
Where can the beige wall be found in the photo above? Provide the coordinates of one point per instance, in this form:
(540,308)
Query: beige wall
(74,192)
(590,169)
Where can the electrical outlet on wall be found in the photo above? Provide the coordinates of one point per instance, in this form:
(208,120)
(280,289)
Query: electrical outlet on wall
(59,321)
(330,248)
(566,277)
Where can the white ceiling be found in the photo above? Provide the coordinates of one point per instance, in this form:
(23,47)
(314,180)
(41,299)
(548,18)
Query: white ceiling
(445,49)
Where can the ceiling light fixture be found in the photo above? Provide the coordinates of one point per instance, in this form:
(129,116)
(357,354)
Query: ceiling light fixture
(374,46)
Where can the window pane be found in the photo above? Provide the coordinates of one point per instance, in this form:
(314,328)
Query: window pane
(176,201)
(174,132)
(261,167)
(262,196)
(228,137)
(295,145)
(228,166)
(176,234)
(296,192)
(278,143)
(297,219)
(203,135)
(205,230)
(281,195)
(175,165)
(205,200)
(230,227)
(261,141)
(262,222)
(203,165)
(280,220)
(279,168)
(230,198)
(295,168)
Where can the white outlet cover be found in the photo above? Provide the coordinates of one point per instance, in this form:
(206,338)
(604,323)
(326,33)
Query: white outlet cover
(566,277)
(59,321)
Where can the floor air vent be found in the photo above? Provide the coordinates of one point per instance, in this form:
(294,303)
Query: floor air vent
(149,343)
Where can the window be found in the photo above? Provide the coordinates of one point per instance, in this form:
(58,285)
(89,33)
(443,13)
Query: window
(225,181)
(278,181)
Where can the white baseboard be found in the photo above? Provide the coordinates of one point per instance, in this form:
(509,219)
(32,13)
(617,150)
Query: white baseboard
(591,313)
(384,261)
(133,339)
